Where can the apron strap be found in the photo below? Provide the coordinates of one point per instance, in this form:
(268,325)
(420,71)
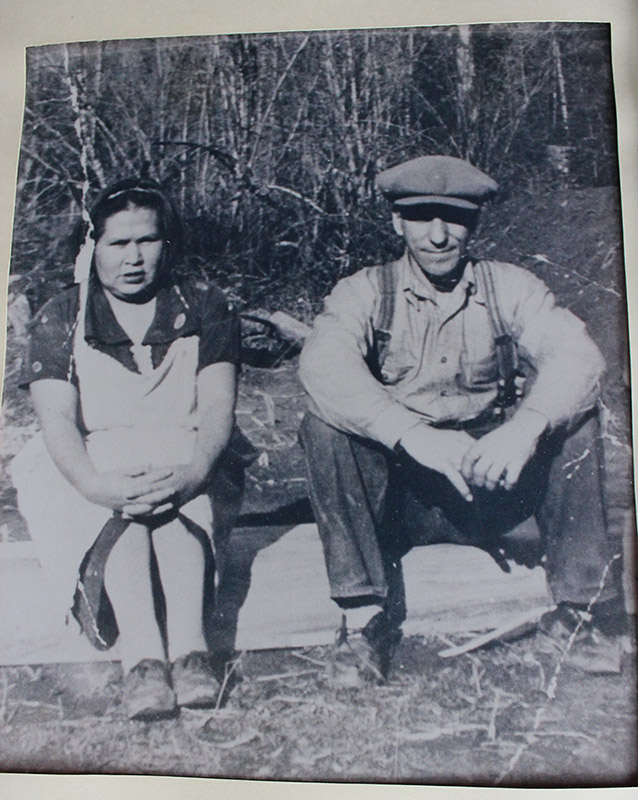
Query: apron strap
(91,605)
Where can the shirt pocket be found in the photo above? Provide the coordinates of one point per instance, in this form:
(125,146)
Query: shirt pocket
(393,374)
(399,363)
(392,363)
(478,373)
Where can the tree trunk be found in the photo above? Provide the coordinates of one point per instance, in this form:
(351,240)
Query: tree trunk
(467,111)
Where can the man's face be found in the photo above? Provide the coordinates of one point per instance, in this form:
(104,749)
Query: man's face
(435,235)
(128,253)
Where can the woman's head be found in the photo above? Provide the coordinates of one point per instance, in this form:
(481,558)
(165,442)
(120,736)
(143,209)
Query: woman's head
(138,236)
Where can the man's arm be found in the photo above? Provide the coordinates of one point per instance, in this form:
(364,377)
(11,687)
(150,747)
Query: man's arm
(498,457)
(568,363)
(569,368)
(334,372)
(442,451)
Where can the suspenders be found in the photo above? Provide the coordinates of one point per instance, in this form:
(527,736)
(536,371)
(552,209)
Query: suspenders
(506,351)
(508,391)
(383,324)
(388,286)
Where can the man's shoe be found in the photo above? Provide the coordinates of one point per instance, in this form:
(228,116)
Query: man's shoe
(194,682)
(364,656)
(581,645)
(147,691)
(597,653)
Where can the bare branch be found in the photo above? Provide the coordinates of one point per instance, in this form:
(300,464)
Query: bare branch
(296,194)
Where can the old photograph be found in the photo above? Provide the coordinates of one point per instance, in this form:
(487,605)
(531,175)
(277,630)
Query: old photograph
(316,435)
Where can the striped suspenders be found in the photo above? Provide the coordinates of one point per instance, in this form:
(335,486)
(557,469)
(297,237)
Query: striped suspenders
(508,390)
(383,323)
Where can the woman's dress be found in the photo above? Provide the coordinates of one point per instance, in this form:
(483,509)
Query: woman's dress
(146,416)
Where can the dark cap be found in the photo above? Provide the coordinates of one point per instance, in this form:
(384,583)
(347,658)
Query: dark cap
(436,179)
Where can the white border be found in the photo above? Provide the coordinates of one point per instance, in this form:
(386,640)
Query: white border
(33,22)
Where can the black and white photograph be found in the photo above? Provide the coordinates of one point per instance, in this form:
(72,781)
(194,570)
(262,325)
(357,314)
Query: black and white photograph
(316,427)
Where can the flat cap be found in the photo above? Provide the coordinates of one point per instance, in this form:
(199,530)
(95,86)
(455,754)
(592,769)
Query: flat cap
(436,179)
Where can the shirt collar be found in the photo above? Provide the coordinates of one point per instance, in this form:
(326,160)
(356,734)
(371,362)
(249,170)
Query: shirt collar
(174,317)
(416,286)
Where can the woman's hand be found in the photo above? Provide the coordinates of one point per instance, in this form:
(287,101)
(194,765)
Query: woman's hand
(56,403)
(137,491)
(216,392)
(170,487)
(144,491)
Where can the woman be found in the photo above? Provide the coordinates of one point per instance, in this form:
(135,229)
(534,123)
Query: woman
(133,378)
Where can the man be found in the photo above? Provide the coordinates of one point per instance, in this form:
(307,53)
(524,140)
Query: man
(419,432)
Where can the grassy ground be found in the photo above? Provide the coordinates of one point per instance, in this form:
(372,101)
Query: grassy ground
(509,714)
(483,718)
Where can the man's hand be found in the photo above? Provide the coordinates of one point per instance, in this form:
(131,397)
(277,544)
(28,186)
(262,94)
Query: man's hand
(498,458)
(440,450)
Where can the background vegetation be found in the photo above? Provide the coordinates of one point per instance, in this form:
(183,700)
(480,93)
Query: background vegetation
(270,143)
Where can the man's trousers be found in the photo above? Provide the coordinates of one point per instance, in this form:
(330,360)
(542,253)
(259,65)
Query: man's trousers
(372,506)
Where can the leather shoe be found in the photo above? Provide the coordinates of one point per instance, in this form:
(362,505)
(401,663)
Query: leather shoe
(194,682)
(147,691)
(363,657)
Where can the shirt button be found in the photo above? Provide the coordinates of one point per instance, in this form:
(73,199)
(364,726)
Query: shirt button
(443,359)
(180,319)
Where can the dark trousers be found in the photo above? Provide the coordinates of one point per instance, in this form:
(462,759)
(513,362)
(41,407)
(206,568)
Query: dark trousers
(372,507)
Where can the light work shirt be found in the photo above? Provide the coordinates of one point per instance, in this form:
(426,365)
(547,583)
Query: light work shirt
(441,365)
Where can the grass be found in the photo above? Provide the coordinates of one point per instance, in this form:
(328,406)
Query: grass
(465,721)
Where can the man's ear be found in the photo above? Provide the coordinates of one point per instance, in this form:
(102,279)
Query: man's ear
(397,223)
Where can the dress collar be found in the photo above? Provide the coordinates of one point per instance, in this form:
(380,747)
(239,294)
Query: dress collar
(174,317)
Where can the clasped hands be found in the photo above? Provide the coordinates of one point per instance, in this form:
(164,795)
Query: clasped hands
(144,491)
(495,459)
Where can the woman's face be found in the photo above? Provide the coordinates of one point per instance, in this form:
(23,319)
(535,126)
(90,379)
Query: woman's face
(129,252)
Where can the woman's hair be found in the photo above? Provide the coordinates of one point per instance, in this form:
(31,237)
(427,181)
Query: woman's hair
(142,193)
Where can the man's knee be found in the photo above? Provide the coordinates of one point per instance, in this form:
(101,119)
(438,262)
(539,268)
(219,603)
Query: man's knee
(317,436)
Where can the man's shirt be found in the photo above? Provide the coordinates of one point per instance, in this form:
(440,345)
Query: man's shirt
(441,366)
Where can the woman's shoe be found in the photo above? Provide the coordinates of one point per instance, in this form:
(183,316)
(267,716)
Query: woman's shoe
(147,691)
(194,682)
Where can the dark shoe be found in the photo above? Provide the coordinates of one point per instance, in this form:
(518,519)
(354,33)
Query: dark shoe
(147,691)
(573,634)
(227,669)
(385,638)
(194,682)
(364,656)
